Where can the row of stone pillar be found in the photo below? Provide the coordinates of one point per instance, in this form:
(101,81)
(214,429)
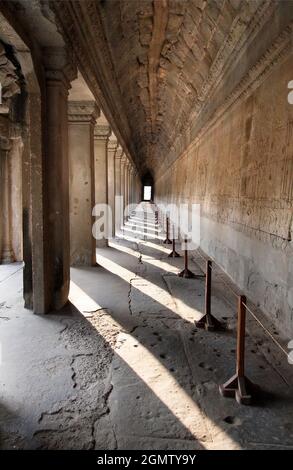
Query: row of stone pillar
(10,195)
(69,164)
(101,176)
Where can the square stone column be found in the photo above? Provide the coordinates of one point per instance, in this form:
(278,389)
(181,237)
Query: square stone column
(129,166)
(123,184)
(102,133)
(56,255)
(111,150)
(132,185)
(126,189)
(6,251)
(137,188)
(82,117)
(127,184)
(118,191)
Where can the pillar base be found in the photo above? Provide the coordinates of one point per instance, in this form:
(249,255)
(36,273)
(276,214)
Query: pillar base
(167,241)
(102,243)
(7,256)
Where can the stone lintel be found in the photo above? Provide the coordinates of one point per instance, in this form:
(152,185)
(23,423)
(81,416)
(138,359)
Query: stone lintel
(83,111)
(119,152)
(124,159)
(112,145)
(102,132)
(59,65)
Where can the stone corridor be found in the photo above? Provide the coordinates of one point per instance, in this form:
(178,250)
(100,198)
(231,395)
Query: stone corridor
(123,365)
(118,119)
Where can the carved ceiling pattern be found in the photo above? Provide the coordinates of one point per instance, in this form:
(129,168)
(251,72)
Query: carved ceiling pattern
(157,65)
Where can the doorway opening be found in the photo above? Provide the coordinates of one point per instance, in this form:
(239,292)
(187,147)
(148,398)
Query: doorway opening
(147,187)
(147,193)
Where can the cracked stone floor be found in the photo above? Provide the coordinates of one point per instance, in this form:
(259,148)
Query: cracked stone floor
(123,365)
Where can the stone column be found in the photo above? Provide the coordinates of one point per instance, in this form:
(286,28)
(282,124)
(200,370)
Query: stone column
(118,190)
(131,185)
(101,136)
(112,146)
(16,154)
(82,117)
(123,184)
(6,254)
(137,190)
(58,74)
(126,188)
(128,184)
(134,186)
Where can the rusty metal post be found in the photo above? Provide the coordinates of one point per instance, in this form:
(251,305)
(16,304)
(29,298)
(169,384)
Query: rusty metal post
(241,336)
(208,321)
(173,253)
(167,240)
(239,386)
(186,273)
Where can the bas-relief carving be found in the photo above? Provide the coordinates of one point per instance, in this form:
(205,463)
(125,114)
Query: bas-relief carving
(246,193)
(256,197)
(9,81)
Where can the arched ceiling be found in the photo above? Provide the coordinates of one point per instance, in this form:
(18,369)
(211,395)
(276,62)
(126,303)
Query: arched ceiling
(161,68)
(159,62)
(162,52)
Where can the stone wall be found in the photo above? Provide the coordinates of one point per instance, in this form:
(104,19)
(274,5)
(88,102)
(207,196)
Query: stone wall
(241,172)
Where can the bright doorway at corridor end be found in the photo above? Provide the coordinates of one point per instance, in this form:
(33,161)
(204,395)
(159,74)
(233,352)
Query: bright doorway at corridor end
(147,193)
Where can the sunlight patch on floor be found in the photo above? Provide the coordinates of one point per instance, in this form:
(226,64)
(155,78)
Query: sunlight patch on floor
(83,302)
(162,383)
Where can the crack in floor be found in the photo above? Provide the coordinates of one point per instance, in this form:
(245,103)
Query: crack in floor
(119,394)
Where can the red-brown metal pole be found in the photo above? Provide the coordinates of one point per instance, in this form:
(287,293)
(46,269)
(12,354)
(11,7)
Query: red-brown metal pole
(241,335)
(186,273)
(173,253)
(208,287)
(208,321)
(185,256)
(239,386)
(167,240)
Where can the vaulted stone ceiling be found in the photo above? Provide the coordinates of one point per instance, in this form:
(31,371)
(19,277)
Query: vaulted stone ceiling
(161,69)
(159,62)
(162,52)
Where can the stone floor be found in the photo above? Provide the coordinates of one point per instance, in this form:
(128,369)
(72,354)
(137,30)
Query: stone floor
(124,367)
